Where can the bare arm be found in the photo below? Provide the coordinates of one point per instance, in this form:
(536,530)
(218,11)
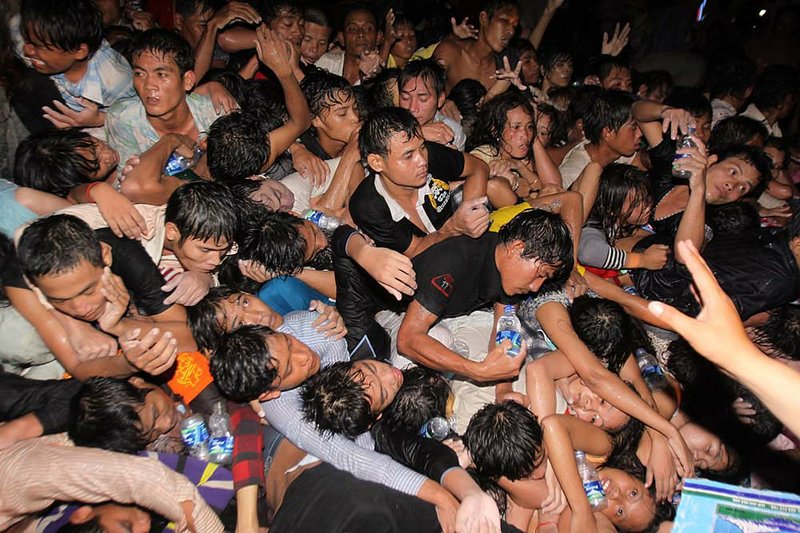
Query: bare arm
(547,170)
(587,184)
(541,27)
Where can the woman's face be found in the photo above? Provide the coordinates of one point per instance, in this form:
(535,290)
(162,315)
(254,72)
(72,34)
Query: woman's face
(729,180)
(560,74)
(517,134)
(406,43)
(778,159)
(630,505)
(544,128)
(591,408)
(640,213)
(708,451)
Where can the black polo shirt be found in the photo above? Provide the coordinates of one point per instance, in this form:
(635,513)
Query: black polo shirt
(383,220)
(129,261)
(459,275)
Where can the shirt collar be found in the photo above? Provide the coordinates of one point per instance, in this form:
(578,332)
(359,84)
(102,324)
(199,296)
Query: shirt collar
(395,210)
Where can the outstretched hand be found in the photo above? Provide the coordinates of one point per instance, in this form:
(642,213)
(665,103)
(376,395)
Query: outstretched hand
(464,30)
(618,41)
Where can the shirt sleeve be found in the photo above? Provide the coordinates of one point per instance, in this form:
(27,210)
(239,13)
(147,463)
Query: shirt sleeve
(63,473)
(283,413)
(119,134)
(594,250)
(427,456)
(439,275)
(444,163)
(138,272)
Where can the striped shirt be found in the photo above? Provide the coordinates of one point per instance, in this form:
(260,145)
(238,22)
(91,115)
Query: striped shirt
(284,413)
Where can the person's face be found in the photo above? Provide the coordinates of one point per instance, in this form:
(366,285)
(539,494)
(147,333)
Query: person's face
(517,136)
(360,33)
(778,159)
(159,414)
(544,128)
(107,159)
(406,163)
(114,518)
(406,43)
(729,180)
(560,73)
(708,451)
(381,383)
(315,42)
(111,10)
(619,79)
(294,361)
(159,83)
(274,195)
(196,255)
(339,120)
(591,408)
(640,213)
(530,68)
(630,505)
(420,98)
(499,30)
(519,275)
(75,292)
(243,308)
(316,241)
(46,58)
(192,27)
(625,140)
(703,127)
(289,26)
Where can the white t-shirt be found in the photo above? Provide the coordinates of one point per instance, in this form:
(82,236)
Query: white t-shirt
(576,160)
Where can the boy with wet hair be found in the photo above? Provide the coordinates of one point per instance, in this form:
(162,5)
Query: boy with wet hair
(68,46)
(360,35)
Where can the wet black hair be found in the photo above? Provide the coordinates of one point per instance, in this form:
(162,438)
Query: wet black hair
(381,125)
(204,210)
(607,214)
(422,397)
(773,85)
(238,147)
(467,95)
(273,239)
(780,334)
(492,119)
(66,29)
(241,364)
(56,244)
(202,319)
(605,328)
(165,44)
(690,99)
(611,109)
(736,130)
(427,70)
(732,76)
(323,90)
(493,6)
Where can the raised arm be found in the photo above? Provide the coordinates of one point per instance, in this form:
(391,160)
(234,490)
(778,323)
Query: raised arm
(693,221)
(204,53)
(656,119)
(541,27)
(277,54)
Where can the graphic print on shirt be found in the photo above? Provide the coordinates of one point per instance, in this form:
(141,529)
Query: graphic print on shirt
(440,193)
(444,284)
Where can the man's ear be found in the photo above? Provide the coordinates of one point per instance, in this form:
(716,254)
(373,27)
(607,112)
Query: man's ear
(189,79)
(712,159)
(440,100)
(171,232)
(316,122)
(178,22)
(82,514)
(375,162)
(82,52)
(105,253)
(483,19)
(607,134)
(269,395)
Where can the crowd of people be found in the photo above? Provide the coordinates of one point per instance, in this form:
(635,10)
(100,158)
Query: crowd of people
(308,220)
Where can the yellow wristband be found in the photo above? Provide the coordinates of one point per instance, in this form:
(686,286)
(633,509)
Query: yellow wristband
(581,270)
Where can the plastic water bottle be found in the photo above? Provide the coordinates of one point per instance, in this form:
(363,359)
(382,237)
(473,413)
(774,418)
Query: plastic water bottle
(438,427)
(684,142)
(508,327)
(651,370)
(178,163)
(195,436)
(591,482)
(220,444)
(325,222)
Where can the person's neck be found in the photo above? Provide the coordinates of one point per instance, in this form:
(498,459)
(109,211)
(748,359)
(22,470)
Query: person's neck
(480,49)
(546,86)
(400,193)
(601,153)
(733,101)
(77,71)
(400,62)
(179,120)
(350,72)
(772,115)
(331,146)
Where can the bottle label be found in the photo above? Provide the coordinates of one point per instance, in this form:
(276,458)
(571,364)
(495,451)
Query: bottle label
(513,336)
(652,371)
(220,445)
(594,492)
(314,216)
(194,434)
(175,164)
